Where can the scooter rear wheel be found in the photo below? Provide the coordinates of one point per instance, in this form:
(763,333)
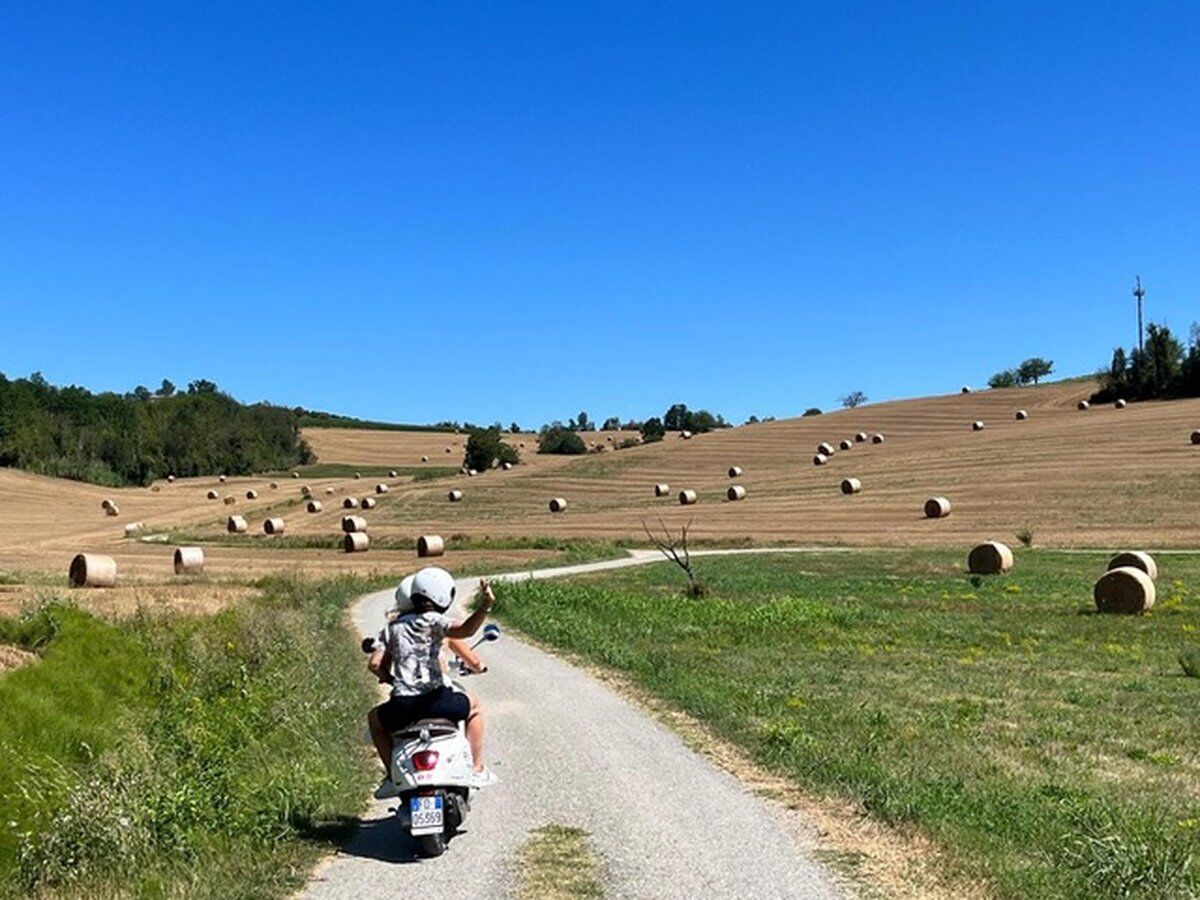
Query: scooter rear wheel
(432,844)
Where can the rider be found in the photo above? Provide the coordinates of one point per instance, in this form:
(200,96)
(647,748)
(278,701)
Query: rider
(413,641)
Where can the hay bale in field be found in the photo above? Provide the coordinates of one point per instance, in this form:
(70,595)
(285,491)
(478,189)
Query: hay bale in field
(424,459)
(251,495)
(112,510)
(349,503)
(937,508)
(860,437)
(430,545)
(1120,404)
(213,495)
(133,528)
(274,525)
(392,473)
(977,425)
(1137,559)
(454,496)
(313,506)
(966,389)
(686,435)
(989,558)
(381,488)
(735,492)
(236,524)
(521,445)
(221,478)
(358,474)
(825,449)
(1083,404)
(687,498)
(506,466)
(351,524)
(295,474)
(662,489)
(170,479)
(851,486)
(820,459)
(471,473)
(735,471)
(877,438)
(229,501)
(1125,590)
(449,449)
(106,503)
(845,444)
(355,542)
(329,491)
(92,570)
(558,504)
(367,503)
(305,491)
(189,560)
(1021,415)
(1196,437)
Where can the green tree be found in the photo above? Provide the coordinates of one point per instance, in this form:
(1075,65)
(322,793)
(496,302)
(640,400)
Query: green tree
(653,430)
(485,448)
(1034,369)
(612,423)
(853,400)
(811,411)
(555,438)
(166,389)
(1005,379)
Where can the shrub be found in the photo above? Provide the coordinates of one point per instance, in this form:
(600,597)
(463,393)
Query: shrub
(1025,536)
(557,439)
(812,411)
(485,448)
(653,430)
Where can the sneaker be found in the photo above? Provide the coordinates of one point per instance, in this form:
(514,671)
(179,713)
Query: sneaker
(386,790)
(483,778)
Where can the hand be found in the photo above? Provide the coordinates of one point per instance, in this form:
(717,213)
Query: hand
(489,599)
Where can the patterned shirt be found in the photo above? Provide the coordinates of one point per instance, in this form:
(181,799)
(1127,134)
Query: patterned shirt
(414,642)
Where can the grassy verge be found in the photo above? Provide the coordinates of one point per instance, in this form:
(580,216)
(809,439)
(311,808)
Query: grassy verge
(344,470)
(172,755)
(1050,751)
(557,864)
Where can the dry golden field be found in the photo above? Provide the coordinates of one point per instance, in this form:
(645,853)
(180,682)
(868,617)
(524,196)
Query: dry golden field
(1103,478)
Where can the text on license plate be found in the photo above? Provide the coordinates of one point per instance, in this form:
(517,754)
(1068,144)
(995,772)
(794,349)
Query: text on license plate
(426,814)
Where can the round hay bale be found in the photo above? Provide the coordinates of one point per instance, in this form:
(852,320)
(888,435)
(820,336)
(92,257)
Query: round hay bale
(295,474)
(381,488)
(189,560)
(1120,404)
(274,525)
(112,510)
(820,459)
(449,449)
(251,495)
(1083,404)
(989,558)
(367,503)
(735,492)
(306,491)
(686,435)
(471,473)
(424,459)
(558,504)
(845,444)
(213,495)
(1196,437)
(977,425)
(937,508)
(133,528)
(506,466)
(92,570)
(229,501)
(521,445)
(454,496)
(851,486)
(392,473)
(1136,559)
(1125,591)
(236,524)
(313,506)
(687,498)
(355,542)
(735,471)
(825,449)
(877,439)
(221,478)
(329,491)
(349,503)
(662,489)
(430,545)
(1021,415)
(358,474)
(170,479)
(352,524)
(860,437)
(966,389)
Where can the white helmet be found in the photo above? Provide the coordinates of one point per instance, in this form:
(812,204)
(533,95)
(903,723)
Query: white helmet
(404,602)
(435,585)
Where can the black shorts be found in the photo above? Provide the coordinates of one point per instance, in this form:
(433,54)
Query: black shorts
(440,703)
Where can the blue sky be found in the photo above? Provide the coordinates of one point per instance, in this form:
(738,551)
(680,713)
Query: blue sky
(517,210)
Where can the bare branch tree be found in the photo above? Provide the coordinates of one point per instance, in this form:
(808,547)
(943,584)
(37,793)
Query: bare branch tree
(677,551)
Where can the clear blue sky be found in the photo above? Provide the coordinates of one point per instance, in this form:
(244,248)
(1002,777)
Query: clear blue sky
(516,210)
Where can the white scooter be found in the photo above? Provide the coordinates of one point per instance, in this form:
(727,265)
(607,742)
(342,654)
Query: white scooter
(431,767)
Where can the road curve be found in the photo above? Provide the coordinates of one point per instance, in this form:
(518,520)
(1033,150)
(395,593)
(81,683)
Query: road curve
(664,821)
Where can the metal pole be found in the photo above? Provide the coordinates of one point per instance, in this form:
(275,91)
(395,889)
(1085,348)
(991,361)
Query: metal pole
(1139,292)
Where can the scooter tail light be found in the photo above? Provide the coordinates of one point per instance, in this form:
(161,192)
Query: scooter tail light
(424,760)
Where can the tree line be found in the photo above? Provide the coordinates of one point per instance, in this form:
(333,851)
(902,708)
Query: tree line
(134,438)
(1162,369)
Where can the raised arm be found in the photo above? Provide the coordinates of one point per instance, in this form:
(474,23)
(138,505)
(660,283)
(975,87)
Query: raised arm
(475,621)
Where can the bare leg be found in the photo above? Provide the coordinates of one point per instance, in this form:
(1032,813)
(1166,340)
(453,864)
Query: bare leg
(475,733)
(382,739)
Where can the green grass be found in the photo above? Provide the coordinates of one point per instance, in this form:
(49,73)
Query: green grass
(1049,750)
(170,755)
(556,864)
(343,470)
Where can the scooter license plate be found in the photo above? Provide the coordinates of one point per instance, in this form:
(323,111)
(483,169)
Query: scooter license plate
(427,815)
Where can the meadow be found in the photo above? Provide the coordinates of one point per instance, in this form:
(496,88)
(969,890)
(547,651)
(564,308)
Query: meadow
(1046,749)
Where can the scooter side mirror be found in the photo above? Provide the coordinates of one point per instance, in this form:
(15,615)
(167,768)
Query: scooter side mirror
(491,632)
